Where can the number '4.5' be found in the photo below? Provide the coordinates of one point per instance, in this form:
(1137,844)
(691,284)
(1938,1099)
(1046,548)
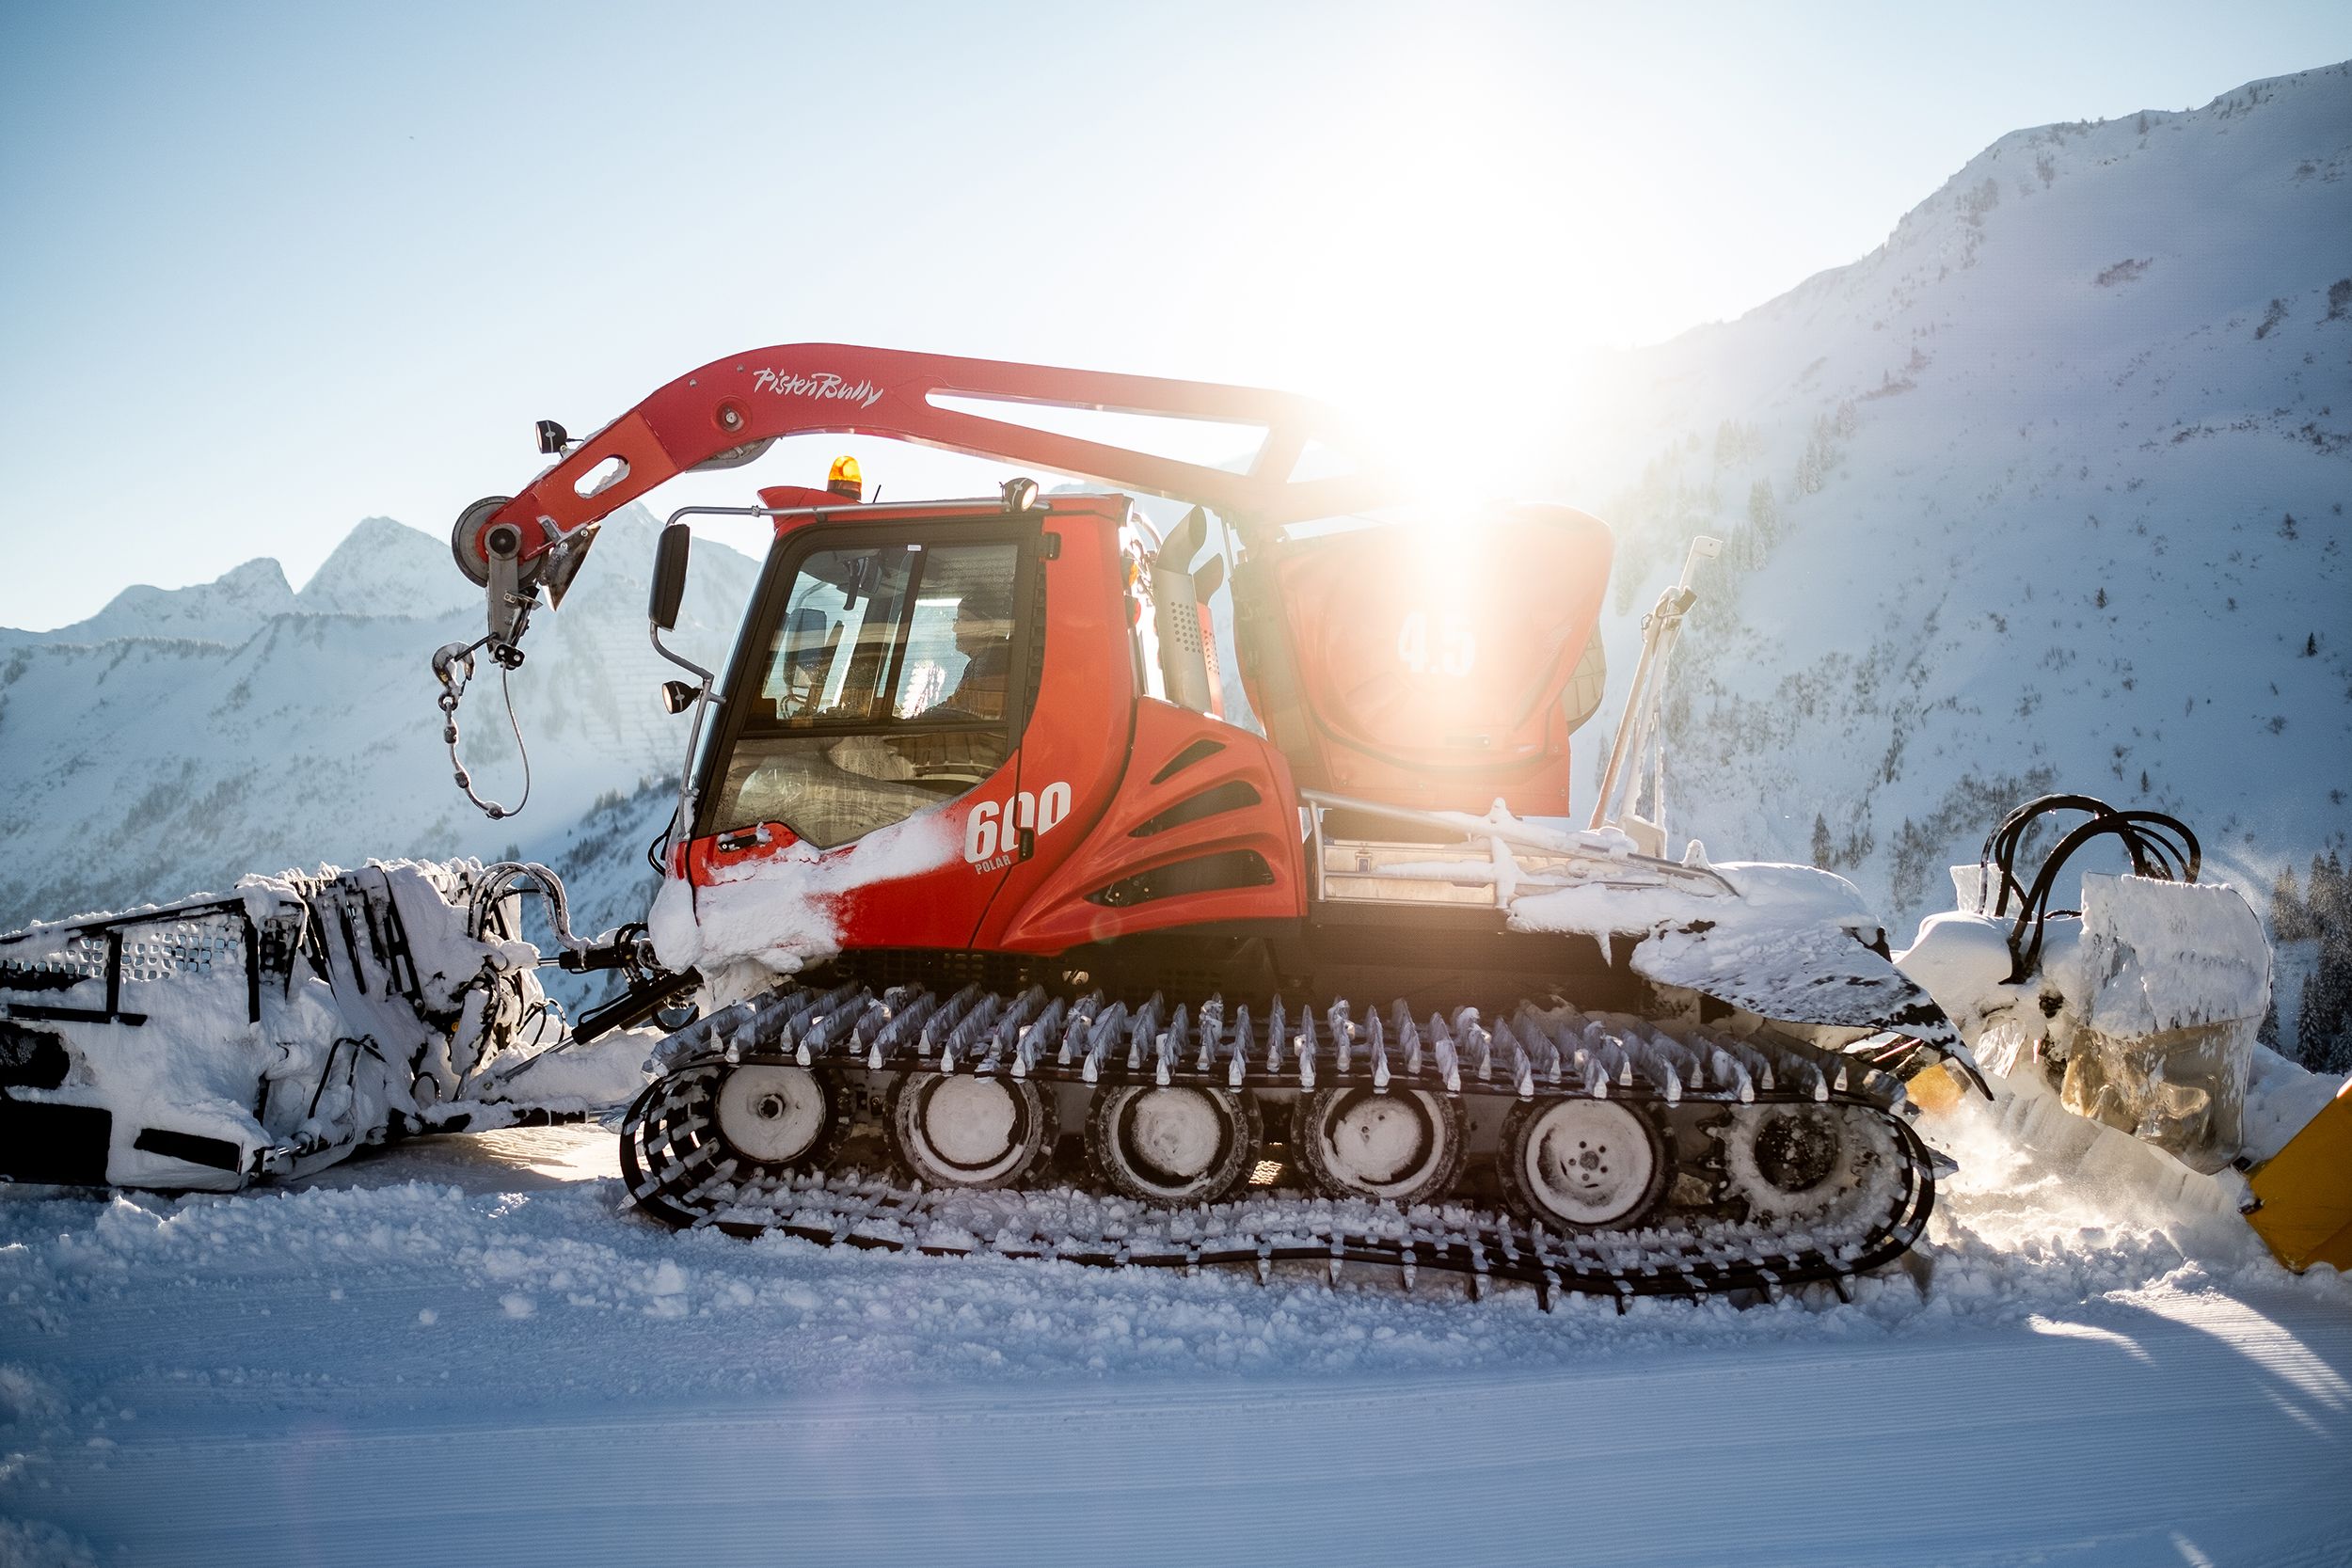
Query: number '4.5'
(1454,653)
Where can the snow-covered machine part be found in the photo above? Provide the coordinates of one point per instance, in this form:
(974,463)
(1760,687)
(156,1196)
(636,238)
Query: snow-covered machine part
(1787,943)
(2138,1011)
(1635,779)
(210,1042)
(2180,977)
(1790,943)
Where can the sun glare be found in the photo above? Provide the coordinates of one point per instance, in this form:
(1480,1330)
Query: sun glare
(1437,276)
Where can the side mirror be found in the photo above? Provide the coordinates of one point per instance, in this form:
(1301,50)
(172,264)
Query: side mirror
(669,575)
(807,642)
(862,576)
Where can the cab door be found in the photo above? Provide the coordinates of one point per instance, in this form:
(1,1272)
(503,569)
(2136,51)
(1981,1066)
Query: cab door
(873,717)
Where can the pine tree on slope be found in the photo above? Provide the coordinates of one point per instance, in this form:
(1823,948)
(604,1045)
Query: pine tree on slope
(2289,920)
(2324,1033)
(2324,1022)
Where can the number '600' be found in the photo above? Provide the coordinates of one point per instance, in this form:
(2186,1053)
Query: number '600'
(994,826)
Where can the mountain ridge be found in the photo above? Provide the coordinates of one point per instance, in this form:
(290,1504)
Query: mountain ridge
(2095,391)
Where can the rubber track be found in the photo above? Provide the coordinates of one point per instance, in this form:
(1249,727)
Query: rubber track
(680,1172)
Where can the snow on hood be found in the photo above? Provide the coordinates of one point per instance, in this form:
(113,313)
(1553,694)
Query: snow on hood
(1787,941)
(783,913)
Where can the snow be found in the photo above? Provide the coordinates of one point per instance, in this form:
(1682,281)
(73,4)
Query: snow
(466,1349)
(2282,1098)
(226,608)
(472,1349)
(1964,960)
(383,567)
(607,1072)
(1787,942)
(780,912)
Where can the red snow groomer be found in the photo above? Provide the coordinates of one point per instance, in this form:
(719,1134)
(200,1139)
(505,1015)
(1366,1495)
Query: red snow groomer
(1008,936)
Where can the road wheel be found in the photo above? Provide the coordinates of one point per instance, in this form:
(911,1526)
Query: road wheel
(1581,1165)
(1794,1162)
(1405,1146)
(1174,1147)
(969,1130)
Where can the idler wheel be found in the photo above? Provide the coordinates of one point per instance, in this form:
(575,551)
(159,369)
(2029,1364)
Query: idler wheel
(1788,1161)
(776,1116)
(1177,1146)
(1405,1146)
(969,1130)
(1581,1165)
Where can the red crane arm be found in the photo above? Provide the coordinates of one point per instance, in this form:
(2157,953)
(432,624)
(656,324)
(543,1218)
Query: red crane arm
(722,413)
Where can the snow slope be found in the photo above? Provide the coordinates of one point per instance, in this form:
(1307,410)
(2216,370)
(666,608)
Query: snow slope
(2008,506)
(179,740)
(463,1351)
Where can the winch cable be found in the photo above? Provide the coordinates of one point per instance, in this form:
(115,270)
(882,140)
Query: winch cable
(453,665)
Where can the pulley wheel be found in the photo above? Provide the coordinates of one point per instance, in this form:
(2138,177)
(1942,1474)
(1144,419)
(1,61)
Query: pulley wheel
(467,543)
(1405,1146)
(776,1116)
(1581,1165)
(1177,1146)
(967,1129)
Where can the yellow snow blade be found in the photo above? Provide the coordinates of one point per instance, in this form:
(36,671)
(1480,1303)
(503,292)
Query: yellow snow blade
(2306,1192)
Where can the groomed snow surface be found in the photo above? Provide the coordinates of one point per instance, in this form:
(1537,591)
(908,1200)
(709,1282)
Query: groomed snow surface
(466,1349)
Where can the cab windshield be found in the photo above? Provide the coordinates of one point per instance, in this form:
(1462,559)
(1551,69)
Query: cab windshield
(885,686)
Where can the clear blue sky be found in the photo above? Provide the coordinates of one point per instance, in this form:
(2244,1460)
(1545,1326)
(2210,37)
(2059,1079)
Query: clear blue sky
(265,270)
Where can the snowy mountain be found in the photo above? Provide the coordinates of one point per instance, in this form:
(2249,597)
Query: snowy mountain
(180,739)
(2048,491)
(385,569)
(227,607)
